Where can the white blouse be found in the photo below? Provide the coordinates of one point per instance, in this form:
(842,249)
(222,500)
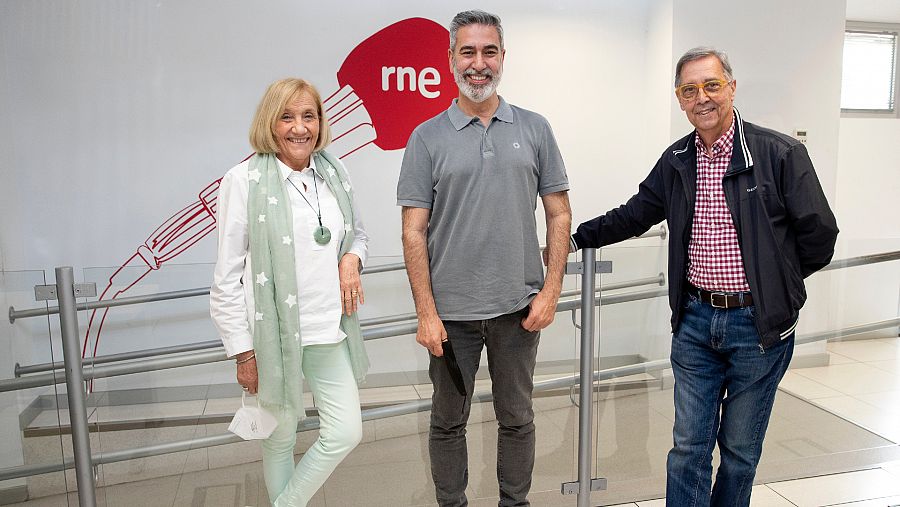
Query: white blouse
(318,283)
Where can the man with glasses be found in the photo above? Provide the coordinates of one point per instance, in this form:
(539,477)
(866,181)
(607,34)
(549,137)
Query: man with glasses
(748,222)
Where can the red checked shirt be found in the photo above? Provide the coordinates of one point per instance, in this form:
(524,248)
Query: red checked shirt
(714,255)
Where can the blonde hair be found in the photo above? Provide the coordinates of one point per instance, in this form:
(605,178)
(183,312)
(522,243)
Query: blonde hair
(272,104)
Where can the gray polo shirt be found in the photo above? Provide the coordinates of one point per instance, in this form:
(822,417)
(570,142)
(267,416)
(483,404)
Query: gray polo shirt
(481,185)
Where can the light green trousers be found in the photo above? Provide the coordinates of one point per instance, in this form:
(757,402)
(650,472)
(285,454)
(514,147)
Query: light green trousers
(327,370)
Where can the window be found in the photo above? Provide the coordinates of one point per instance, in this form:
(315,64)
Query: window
(869,84)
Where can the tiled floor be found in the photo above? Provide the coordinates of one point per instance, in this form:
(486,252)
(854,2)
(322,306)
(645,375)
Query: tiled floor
(862,385)
(838,426)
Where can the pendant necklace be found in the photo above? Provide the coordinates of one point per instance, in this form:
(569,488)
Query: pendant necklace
(321,234)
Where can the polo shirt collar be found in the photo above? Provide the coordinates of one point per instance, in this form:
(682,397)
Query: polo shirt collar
(459,119)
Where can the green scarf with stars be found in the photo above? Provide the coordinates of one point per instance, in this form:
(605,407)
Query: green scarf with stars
(276,328)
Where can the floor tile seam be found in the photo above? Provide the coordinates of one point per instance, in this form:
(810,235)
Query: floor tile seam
(860,345)
(837,370)
(831,350)
(845,396)
(873,362)
(807,397)
(857,501)
(889,372)
(844,391)
(875,392)
(876,407)
(815,478)
(779,495)
(893,359)
(666,415)
(893,439)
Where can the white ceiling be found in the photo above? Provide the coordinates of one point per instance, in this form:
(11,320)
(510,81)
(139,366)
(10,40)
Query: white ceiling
(879,11)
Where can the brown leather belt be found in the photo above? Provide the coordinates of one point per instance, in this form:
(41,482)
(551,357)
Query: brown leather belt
(722,299)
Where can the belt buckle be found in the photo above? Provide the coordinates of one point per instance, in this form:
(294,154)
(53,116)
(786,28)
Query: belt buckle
(712,299)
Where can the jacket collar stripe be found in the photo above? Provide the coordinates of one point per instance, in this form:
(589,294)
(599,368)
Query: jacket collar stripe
(686,146)
(745,150)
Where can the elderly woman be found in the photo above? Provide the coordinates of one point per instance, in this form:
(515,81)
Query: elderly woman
(287,285)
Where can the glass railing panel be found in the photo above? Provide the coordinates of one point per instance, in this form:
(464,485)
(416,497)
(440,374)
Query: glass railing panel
(853,377)
(866,293)
(390,465)
(154,408)
(632,412)
(835,410)
(555,401)
(33,421)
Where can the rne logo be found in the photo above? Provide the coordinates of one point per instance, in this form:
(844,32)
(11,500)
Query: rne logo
(401,76)
(429,76)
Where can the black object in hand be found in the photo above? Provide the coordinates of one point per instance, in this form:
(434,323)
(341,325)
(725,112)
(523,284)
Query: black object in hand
(453,367)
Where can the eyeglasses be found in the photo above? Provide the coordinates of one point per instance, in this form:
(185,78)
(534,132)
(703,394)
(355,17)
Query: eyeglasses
(690,91)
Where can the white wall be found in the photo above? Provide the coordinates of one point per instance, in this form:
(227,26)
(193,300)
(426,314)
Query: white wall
(877,11)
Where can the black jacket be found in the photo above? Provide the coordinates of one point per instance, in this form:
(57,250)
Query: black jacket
(784,226)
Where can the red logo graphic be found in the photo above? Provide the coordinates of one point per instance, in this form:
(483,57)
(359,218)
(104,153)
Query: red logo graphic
(391,82)
(402,76)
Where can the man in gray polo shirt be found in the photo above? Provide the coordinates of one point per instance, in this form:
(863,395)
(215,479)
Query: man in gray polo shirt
(469,186)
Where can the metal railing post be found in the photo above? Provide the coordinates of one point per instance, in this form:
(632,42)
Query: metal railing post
(81,443)
(588,267)
(586,396)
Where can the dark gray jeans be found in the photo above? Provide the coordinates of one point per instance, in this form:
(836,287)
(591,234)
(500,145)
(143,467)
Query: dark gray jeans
(511,352)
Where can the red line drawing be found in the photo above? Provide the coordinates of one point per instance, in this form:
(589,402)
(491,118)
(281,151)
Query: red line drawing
(385,86)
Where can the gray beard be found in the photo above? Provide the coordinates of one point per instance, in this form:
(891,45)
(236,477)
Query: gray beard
(476,94)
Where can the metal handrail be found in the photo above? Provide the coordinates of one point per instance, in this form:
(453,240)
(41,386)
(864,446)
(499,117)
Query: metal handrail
(371,333)
(109,303)
(862,260)
(19,370)
(660,279)
(203,291)
(405,408)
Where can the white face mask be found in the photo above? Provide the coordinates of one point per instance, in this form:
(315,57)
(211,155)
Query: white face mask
(252,423)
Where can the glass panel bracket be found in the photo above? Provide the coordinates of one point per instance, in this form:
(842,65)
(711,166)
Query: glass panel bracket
(48,292)
(577,268)
(572,488)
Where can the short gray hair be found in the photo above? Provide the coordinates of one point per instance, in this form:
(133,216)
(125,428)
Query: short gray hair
(702,52)
(474,17)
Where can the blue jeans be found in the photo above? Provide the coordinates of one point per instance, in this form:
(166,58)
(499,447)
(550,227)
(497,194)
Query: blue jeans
(511,352)
(725,384)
